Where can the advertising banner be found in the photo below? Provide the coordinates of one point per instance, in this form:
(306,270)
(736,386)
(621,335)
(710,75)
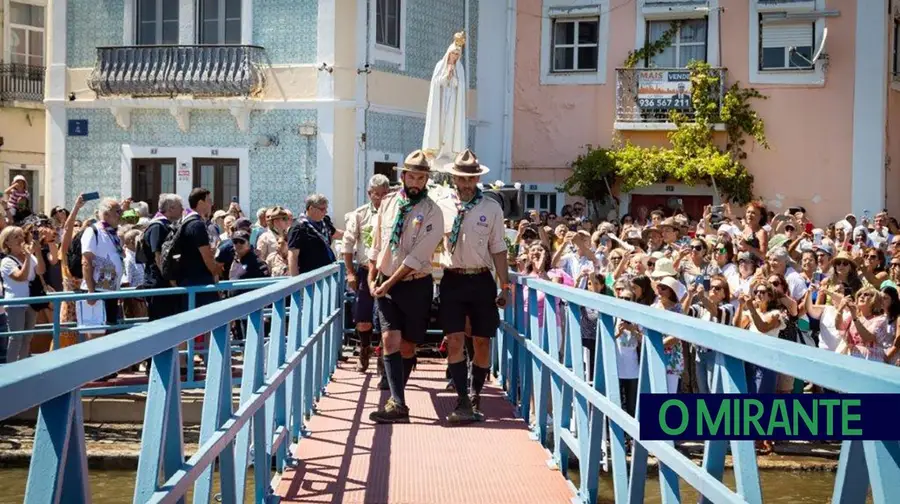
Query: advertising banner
(664,89)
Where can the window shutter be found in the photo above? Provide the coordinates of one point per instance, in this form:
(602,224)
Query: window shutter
(787,35)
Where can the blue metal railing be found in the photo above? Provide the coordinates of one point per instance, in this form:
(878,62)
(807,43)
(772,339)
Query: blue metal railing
(279,388)
(542,365)
(57,327)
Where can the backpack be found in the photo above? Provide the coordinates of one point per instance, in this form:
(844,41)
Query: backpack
(143,254)
(73,255)
(171,251)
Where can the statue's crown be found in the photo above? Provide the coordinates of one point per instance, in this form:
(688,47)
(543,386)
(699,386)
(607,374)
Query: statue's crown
(459,39)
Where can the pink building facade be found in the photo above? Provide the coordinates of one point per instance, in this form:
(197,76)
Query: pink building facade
(829,68)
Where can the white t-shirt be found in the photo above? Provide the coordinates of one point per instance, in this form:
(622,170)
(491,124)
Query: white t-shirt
(13,289)
(108,267)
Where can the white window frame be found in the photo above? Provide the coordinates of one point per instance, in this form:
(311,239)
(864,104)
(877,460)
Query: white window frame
(159,21)
(537,190)
(387,53)
(221,19)
(788,76)
(8,26)
(575,45)
(651,10)
(573,10)
(808,25)
(677,44)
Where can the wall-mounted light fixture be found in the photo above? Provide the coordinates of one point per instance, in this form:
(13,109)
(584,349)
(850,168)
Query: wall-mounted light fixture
(307,130)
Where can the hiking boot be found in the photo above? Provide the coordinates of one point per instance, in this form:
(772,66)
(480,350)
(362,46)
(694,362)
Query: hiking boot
(476,402)
(464,413)
(363,364)
(391,413)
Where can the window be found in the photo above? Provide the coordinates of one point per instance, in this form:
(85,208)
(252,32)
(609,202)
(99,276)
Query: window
(220,22)
(150,178)
(386,169)
(575,44)
(542,202)
(688,44)
(220,176)
(34,187)
(157,22)
(786,46)
(896,59)
(387,23)
(26,34)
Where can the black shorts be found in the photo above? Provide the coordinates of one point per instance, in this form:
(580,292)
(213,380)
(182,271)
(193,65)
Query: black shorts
(408,309)
(365,304)
(473,296)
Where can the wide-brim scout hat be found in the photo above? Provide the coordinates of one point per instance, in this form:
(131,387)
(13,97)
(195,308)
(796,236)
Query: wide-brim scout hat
(466,165)
(416,161)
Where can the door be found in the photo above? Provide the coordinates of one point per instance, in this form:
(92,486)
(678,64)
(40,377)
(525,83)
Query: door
(34,188)
(221,177)
(668,203)
(150,178)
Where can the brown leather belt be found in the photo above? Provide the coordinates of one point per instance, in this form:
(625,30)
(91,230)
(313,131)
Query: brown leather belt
(468,271)
(414,276)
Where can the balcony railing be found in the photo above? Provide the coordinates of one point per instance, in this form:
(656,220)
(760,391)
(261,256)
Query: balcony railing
(198,70)
(21,82)
(647,95)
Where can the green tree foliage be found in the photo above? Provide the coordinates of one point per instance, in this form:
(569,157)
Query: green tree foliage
(593,174)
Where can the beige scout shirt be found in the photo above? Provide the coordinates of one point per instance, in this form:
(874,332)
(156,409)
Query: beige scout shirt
(266,244)
(358,235)
(422,231)
(480,236)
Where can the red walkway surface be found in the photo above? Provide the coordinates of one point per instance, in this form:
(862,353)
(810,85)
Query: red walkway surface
(349,459)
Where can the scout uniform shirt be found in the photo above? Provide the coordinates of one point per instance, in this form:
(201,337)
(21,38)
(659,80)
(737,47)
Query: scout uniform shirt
(358,236)
(480,236)
(422,231)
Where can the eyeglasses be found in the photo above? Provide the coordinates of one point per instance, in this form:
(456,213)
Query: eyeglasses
(761,293)
(865,295)
(872,257)
(239,242)
(717,287)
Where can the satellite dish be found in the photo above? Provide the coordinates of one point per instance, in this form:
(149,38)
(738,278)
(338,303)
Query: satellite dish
(819,51)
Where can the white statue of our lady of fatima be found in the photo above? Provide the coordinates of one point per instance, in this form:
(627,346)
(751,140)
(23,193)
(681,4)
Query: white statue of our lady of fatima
(445,117)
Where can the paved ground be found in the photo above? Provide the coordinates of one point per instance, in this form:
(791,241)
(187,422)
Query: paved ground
(351,460)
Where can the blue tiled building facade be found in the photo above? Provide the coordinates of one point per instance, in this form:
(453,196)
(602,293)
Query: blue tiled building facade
(288,144)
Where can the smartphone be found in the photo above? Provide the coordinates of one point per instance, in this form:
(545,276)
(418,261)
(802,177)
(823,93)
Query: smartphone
(793,210)
(818,277)
(36,235)
(90,196)
(706,283)
(234,199)
(809,227)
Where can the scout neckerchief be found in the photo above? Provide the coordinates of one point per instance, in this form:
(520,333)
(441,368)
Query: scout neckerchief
(461,210)
(406,205)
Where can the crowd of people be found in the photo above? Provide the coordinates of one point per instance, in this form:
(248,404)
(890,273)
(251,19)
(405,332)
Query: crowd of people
(832,286)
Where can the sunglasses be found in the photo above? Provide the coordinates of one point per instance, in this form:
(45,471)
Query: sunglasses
(651,264)
(716,287)
(776,283)
(627,298)
(239,242)
(761,293)
(698,248)
(722,251)
(841,264)
(872,257)
(865,295)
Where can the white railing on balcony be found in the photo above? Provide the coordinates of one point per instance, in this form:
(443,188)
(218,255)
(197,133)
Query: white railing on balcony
(170,70)
(648,95)
(21,82)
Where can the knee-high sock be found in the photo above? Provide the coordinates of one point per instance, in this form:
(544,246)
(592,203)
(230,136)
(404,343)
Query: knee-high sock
(479,375)
(393,370)
(459,373)
(408,365)
(365,338)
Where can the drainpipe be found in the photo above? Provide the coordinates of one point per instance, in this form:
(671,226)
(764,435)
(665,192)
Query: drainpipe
(362,103)
(506,163)
(466,59)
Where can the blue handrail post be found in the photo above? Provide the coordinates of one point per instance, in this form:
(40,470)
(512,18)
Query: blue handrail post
(217,408)
(59,461)
(192,303)
(540,376)
(329,336)
(57,308)
(252,376)
(275,405)
(319,305)
(162,447)
(294,384)
(306,333)
(558,403)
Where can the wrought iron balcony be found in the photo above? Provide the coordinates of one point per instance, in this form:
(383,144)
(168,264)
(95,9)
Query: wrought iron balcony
(647,95)
(198,70)
(21,82)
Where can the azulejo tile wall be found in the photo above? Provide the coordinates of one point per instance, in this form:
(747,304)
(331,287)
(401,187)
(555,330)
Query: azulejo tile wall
(430,26)
(91,24)
(287,29)
(398,133)
(282,174)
